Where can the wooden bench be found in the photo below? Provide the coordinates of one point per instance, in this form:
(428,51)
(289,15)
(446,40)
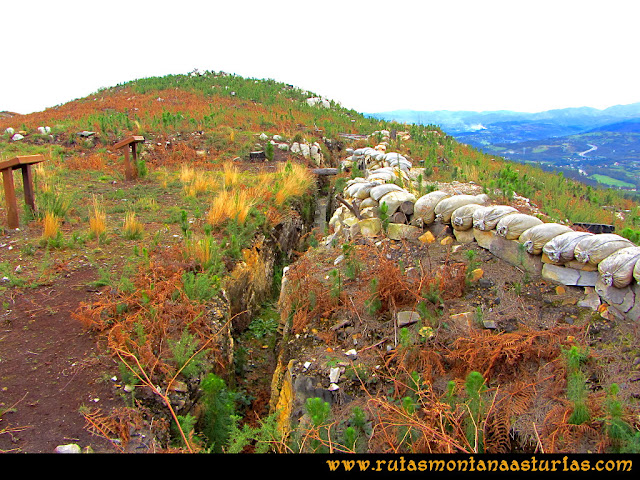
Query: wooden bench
(130,166)
(7,167)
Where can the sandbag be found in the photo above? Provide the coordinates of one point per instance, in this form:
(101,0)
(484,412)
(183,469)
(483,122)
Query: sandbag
(462,217)
(378,191)
(512,226)
(487,218)
(424,208)
(360,190)
(446,207)
(368,202)
(598,247)
(636,272)
(394,199)
(535,238)
(560,249)
(616,270)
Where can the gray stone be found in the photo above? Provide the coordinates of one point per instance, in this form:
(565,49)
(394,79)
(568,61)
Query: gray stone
(622,299)
(510,251)
(569,276)
(406,318)
(591,300)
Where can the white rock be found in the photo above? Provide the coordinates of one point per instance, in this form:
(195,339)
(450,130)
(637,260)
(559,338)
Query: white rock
(17,137)
(70,448)
(334,374)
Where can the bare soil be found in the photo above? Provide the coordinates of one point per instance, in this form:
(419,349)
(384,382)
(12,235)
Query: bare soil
(51,369)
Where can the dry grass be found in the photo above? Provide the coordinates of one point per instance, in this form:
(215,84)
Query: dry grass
(295,180)
(97,218)
(50,226)
(231,175)
(230,205)
(187,173)
(132,227)
(203,251)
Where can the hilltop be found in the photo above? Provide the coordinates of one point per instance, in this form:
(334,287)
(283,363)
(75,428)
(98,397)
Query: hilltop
(157,313)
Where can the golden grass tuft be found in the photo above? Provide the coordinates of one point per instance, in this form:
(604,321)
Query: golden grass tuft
(97,218)
(132,227)
(295,180)
(50,226)
(231,175)
(227,205)
(202,250)
(187,173)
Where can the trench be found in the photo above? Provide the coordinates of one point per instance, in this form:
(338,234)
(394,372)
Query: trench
(257,342)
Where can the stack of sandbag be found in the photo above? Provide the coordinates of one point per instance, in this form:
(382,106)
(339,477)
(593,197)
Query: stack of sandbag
(514,225)
(462,217)
(487,218)
(359,189)
(424,208)
(561,249)
(617,269)
(596,248)
(370,158)
(445,208)
(536,237)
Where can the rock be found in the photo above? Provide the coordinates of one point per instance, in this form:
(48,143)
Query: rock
(623,300)
(591,300)
(406,318)
(476,274)
(569,276)
(510,251)
(17,137)
(369,227)
(447,240)
(464,236)
(427,237)
(399,231)
(334,374)
(69,448)
(465,320)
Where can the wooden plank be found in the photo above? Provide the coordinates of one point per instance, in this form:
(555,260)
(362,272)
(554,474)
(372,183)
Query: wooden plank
(128,141)
(17,162)
(10,198)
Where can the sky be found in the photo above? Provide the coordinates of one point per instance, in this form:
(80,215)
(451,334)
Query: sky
(371,56)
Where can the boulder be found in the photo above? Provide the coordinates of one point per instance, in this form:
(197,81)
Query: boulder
(510,251)
(400,231)
(569,276)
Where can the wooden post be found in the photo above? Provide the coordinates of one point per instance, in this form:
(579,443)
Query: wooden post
(130,165)
(27,182)
(7,167)
(10,197)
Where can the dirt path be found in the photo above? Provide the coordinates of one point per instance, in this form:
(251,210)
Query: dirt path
(51,370)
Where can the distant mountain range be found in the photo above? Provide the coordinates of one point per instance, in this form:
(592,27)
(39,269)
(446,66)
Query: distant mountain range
(597,146)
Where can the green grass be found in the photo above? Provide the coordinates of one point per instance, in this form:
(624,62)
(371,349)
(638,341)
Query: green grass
(614,182)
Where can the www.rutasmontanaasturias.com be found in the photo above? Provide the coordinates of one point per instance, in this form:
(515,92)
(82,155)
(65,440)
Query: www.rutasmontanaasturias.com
(472,464)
